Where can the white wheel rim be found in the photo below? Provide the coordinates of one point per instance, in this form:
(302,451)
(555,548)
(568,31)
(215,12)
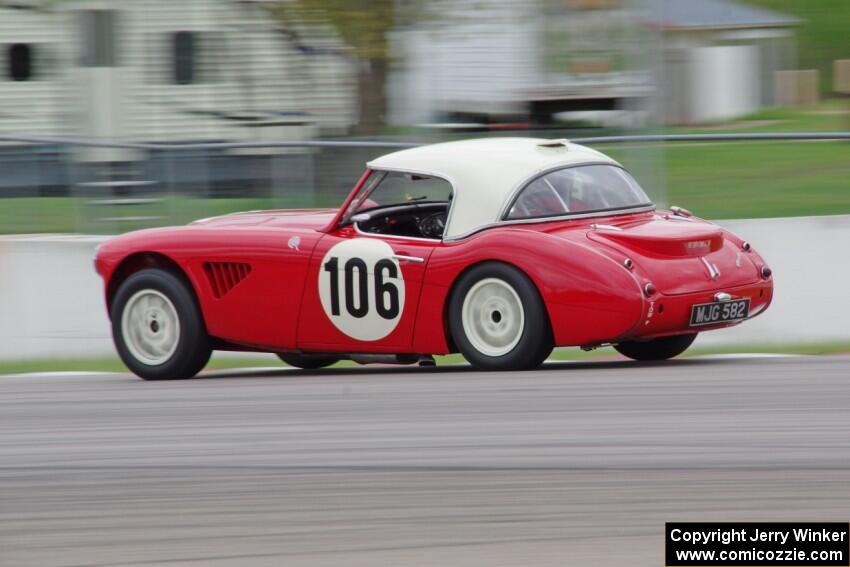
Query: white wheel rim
(492,316)
(150,327)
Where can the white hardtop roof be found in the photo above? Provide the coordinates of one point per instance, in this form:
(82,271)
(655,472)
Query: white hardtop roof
(485,173)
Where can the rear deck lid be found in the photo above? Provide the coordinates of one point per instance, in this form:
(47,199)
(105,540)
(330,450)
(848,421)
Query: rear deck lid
(661,238)
(679,256)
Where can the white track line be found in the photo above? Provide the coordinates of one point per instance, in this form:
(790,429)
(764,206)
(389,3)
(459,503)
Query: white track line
(745,356)
(84,373)
(58,374)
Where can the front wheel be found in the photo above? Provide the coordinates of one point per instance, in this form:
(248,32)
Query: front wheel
(661,348)
(498,320)
(158,328)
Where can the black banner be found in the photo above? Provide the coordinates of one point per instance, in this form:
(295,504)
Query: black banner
(762,544)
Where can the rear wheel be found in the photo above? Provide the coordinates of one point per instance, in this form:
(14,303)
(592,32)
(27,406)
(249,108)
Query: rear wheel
(307,361)
(158,328)
(661,348)
(498,320)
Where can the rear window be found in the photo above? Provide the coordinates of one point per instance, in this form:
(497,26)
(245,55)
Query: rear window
(577,190)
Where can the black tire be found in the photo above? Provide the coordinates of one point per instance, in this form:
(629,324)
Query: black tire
(535,341)
(307,361)
(192,350)
(661,348)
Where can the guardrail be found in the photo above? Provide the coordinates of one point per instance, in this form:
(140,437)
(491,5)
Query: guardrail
(108,143)
(121,185)
(742,137)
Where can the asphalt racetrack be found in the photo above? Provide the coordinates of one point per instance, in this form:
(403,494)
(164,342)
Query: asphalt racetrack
(574,464)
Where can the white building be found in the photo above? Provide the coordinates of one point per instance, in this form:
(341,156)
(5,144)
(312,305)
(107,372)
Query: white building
(720,57)
(165,70)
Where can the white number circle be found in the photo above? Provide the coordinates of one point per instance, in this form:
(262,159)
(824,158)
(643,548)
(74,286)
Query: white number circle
(361,288)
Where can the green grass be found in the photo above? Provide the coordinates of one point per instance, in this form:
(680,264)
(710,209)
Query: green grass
(754,180)
(829,115)
(760,180)
(218,362)
(720,180)
(43,214)
(68,214)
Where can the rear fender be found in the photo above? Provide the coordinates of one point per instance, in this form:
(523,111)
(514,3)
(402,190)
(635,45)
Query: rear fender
(589,297)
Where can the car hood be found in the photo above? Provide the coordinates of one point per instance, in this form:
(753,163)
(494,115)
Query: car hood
(289,218)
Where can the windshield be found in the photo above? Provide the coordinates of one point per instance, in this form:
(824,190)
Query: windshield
(384,189)
(575,190)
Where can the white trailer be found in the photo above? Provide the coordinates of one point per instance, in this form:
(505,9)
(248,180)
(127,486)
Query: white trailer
(509,60)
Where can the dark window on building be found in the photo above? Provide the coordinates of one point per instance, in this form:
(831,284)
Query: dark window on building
(20,59)
(184,58)
(98,29)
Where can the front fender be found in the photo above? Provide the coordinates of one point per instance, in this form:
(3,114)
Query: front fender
(277,272)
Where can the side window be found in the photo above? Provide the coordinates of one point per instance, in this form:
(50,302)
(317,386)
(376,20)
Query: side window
(183,51)
(400,188)
(402,204)
(19,62)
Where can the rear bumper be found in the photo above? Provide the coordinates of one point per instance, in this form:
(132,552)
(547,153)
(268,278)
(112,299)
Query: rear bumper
(670,314)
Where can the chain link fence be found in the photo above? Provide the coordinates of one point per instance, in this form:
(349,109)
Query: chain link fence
(143,185)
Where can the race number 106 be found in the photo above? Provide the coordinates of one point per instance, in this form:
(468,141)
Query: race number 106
(356,287)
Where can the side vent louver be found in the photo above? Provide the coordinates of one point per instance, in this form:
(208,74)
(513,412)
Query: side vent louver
(224,276)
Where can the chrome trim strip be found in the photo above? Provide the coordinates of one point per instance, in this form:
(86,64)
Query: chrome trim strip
(644,209)
(713,272)
(394,236)
(403,258)
(605,227)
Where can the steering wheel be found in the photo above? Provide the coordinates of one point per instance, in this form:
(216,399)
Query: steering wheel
(433,225)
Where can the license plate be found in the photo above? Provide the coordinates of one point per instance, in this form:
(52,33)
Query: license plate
(719,312)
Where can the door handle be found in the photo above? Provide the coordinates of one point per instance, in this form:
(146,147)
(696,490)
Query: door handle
(403,258)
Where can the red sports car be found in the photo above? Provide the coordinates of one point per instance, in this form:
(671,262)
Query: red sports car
(499,249)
